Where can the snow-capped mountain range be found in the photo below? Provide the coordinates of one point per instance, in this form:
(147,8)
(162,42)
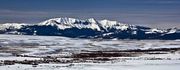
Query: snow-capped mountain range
(89,28)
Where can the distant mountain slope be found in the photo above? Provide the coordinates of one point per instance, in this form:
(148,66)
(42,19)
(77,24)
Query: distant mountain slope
(89,28)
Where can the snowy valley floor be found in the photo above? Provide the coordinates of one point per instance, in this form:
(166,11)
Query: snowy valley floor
(21,52)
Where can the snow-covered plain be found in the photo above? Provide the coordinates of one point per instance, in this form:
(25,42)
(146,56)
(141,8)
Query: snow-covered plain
(49,45)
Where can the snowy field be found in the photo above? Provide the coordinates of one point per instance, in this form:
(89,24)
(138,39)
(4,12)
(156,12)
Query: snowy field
(128,55)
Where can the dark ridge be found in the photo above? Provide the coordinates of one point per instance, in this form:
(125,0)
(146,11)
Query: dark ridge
(141,50)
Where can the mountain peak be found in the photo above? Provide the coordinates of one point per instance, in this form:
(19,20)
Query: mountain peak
(90,28)
(54,21)
(92,20)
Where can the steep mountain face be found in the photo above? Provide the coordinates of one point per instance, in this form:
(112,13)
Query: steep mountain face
(89,28)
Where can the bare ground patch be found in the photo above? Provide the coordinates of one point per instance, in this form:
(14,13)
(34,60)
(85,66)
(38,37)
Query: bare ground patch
(92,56)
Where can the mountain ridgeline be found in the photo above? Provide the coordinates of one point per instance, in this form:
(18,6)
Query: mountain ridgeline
(89,28)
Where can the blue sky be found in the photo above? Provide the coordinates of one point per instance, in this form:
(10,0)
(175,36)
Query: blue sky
(154,13)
